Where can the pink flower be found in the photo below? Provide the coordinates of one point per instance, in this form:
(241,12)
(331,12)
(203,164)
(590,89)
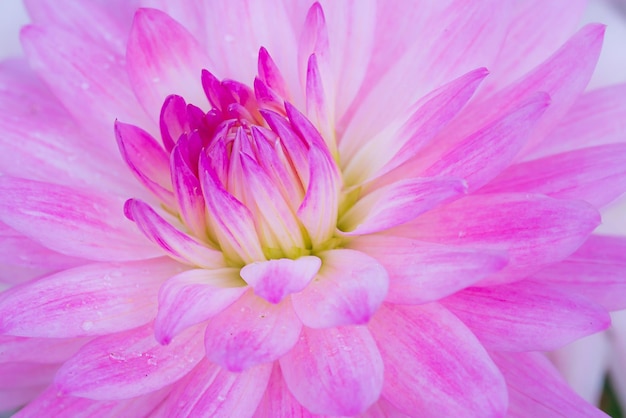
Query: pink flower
(310,209)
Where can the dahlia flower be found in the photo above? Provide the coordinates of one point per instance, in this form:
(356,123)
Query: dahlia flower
(267,209)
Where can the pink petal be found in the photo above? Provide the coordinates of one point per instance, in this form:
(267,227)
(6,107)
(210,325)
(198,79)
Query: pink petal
(18,251)
(383,409)
(319,106)
(596,270)
(177,244)
(435,365)
(41,141)
(347,291)
(173,120)
(280,227)
(535,230)
(147,160)
(417,127)
(38,350)
(13,398)
(193,297)
(454,37)
(82,73)
(52,403)
(319,209)
(89,20)
(313,38)
(129,364)
(349,24)
(485,153)
(336,371)
(24,375)
(563,76)
(163,59)
(92,227)
(275,279)
(271,156)
(399,203)
(421,272)
(596,118)
(91,300)
(231,220)
(278,401)
(211,391)
(542,393)
(526,316)
(596,175)
(293,139)
(188,194)
(537,29)
(270,74)
(251,331)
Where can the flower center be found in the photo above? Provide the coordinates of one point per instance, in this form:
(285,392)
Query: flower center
(252,177)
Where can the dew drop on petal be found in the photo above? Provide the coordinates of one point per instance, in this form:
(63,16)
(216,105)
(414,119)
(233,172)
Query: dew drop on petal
(116,357)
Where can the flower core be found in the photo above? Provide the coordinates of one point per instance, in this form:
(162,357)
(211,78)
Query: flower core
(251,178)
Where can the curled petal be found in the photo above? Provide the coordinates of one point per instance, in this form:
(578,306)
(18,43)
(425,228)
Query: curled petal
(270,75)
(275,279)
(188,194)
(318,212)
(232,222)
(147,160)
(348,290)
(177,244)
(173,120)
(279,226)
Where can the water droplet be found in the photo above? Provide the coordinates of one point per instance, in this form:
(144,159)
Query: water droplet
(117,357)
(152,361)
(87,325)
(221,398)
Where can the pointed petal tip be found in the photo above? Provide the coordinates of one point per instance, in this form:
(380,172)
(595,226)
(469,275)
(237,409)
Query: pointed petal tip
(128,209)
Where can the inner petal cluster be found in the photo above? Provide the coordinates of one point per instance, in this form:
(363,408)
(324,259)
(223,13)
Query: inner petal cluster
(251,178)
